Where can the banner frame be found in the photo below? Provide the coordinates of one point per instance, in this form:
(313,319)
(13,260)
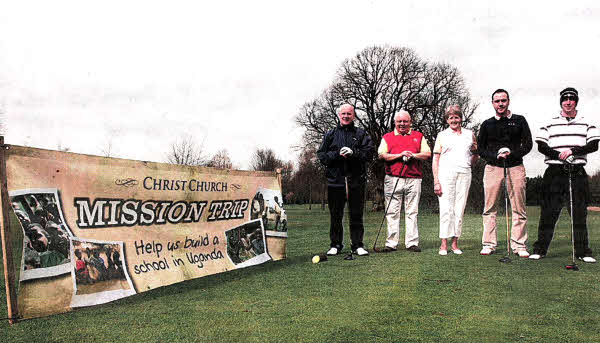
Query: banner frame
(9,269)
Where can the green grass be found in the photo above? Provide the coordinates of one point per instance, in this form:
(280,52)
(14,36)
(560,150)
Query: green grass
(395,297)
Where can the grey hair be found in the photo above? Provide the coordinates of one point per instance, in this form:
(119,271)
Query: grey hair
(339,109)
(402,112)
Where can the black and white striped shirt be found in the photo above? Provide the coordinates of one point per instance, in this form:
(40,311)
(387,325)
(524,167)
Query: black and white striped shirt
(562,134)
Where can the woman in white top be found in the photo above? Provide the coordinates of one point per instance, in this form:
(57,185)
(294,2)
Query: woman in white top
(453,156)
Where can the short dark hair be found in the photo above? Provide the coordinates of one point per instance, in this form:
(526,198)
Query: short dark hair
(500,90)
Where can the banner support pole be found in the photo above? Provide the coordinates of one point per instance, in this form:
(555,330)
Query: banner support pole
(278,170)
(9,269)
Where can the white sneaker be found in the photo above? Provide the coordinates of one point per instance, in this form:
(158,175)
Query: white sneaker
(361,252)
(486,251)
(332,251)
(457,252)
(443,252)
(523,253)
(535,257)
(588,259)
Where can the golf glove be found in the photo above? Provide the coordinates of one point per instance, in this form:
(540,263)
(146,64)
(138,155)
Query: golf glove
(346,151)
(570,159)
(502,151)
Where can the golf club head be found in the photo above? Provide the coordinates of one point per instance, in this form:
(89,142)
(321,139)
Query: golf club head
(572,267)
(349,257)
(505,259)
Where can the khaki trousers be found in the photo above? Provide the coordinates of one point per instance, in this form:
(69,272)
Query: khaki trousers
(493,180)
(408,190)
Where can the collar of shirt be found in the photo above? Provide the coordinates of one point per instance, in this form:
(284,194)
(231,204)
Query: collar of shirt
(568,118)
(396,133)
(507,117)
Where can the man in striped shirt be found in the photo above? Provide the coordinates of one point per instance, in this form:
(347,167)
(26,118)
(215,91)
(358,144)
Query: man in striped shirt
(565,143)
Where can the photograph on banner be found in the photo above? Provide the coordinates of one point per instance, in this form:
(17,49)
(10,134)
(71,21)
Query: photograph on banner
(246,245)
(46,234)
(99,272)
(267,205)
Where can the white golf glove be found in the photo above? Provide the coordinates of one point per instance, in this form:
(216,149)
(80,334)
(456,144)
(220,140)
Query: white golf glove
(346,151)
(570,159)
(502,151)
(405,158)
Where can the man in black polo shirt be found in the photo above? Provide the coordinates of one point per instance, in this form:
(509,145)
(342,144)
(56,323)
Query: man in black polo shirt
(503,141)
(565,143)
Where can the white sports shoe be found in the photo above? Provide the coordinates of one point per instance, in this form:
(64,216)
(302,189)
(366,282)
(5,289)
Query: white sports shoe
(486,251)
(332,251)
(361,252)
(535,256)
(443,252)
(523,253)
(588,259)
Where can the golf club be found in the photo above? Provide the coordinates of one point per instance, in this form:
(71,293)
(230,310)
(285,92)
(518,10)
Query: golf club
(573,266)
(350,255)
(375,248)
(506,258)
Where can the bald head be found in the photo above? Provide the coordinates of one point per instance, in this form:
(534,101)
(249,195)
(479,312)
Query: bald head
(346,114)
(402,121)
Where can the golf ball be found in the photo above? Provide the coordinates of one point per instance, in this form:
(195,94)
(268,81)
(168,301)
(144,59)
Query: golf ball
(316,259)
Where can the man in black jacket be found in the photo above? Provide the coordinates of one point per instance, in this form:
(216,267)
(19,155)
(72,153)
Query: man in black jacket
(345,150)
(503,141)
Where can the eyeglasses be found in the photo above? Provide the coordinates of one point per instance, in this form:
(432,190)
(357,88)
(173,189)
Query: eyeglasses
(569,97)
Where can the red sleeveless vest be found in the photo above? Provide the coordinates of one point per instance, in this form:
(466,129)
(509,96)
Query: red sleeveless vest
(398,144)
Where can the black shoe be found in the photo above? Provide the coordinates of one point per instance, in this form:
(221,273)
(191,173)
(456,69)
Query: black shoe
(389,249)
(413,248)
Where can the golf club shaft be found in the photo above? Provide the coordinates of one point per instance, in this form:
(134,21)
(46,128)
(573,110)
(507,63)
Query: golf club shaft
(506,209)
(349,257)
(571,209)
(389,203)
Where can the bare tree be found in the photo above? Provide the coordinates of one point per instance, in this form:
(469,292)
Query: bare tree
(308,183)
(221,160)
(265,160)
(186,151)
(107,150)
(62,148)
(380,81)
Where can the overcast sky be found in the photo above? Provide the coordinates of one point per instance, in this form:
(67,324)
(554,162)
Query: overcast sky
(235,73)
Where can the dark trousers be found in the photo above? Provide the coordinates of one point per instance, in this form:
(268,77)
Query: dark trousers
(336,197)
(555,195)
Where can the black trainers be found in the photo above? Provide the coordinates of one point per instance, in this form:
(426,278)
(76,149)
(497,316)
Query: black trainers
(413,248)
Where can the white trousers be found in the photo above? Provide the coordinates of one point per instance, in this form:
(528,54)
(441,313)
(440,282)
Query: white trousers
(455,190)
(409,191)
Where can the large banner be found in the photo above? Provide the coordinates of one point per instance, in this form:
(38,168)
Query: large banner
(97,229)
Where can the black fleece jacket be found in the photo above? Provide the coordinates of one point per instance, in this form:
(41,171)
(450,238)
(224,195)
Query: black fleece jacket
(352,167)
